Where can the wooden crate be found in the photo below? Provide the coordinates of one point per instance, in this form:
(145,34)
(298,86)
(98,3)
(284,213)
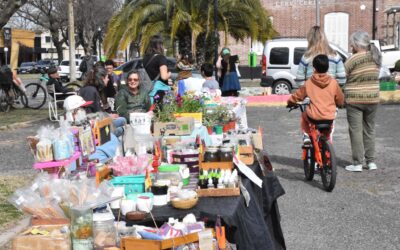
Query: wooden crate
(131,243)
(214,165)
(218,192)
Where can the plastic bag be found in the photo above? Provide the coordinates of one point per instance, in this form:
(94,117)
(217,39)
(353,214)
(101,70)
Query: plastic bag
(44,149)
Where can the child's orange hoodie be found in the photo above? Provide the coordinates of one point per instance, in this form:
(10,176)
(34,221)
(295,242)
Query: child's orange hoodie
(324,93)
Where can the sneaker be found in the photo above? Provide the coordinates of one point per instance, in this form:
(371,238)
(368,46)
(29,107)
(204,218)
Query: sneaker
(306,139)
(372,166)
(354,168)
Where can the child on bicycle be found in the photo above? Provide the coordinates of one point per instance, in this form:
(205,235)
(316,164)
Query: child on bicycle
(324,93)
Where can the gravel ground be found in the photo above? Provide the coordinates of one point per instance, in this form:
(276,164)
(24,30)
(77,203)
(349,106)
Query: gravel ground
(361,212)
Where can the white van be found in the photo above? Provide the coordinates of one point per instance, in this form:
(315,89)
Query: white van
(280,60)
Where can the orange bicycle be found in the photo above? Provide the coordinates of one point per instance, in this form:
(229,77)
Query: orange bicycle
(319,153)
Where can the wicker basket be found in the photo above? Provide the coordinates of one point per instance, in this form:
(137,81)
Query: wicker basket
(184,204)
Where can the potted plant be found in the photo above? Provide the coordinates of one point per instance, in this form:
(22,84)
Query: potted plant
(210,118)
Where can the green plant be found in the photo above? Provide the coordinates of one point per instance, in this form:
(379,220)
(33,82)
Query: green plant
(210,117)
(165,108)
(189,103)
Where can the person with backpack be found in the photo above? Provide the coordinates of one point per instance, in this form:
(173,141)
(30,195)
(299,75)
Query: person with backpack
(86,65)
(155,64)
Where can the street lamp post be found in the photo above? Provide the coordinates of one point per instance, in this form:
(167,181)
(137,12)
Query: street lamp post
(6,52)
(99,30)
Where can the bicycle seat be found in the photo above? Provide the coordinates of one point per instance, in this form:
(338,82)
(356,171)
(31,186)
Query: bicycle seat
(323,126)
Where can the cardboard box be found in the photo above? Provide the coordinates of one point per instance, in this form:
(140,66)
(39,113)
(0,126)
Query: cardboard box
(182,126)
(55,240)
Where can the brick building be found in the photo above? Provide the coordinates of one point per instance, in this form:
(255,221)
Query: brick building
(339,19)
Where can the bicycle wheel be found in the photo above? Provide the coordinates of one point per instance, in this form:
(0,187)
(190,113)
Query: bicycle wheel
(74,86)
(36,95)
(20,100)
(328,171)
(5,104)
(308,162)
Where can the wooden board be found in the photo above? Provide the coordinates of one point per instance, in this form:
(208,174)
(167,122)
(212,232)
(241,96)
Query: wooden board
(131,243)
(218,192)
(214,165)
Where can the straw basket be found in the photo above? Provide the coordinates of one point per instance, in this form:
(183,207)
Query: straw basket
(184,204)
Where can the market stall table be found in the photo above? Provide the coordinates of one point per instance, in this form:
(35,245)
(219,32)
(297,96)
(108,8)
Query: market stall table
(256,226)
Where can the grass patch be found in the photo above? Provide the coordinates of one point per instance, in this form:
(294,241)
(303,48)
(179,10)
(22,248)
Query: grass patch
(22,115)
(8,184)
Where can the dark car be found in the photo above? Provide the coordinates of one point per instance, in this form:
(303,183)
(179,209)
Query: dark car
(138,63)
(27,68)
(45,64)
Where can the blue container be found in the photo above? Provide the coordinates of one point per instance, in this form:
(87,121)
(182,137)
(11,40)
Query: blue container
(132,183)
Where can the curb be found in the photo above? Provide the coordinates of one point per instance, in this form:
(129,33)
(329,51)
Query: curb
(7,236)
(20,124)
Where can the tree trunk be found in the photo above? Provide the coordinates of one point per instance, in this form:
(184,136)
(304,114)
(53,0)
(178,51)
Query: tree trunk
(58,44)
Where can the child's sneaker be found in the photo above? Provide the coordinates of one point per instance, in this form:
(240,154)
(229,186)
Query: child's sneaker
(306,140)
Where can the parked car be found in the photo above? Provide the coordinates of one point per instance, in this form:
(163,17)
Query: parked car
(27,68)
(63,70)
(280,60)
(45,64)
(390,54)
(137,63)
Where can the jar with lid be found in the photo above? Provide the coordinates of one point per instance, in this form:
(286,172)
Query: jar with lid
(82,228)
(211,155)
(104,232)
(226,154)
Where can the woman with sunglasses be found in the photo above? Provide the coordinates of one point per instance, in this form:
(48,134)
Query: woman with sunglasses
(130,98)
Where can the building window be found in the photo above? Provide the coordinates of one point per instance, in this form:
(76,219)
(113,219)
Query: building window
(337,28)
(47,39)
(279,55)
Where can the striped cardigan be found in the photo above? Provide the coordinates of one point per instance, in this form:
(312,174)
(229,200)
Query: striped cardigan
(336,69)
(362,85)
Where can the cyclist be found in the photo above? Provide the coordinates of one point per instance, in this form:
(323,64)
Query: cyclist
(324,93)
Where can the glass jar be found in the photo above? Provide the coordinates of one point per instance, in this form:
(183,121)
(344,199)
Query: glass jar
(82,228)
(211,155)
(104,232)
(226,154)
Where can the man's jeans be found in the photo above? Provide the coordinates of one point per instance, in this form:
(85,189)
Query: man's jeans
(361,119)
(119,124)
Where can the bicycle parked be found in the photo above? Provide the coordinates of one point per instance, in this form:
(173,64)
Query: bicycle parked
(11,95)
(319,154)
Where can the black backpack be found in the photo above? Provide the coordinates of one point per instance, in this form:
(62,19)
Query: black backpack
(6,78)
(83,66)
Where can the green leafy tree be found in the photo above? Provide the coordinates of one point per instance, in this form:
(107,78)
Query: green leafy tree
(180,20)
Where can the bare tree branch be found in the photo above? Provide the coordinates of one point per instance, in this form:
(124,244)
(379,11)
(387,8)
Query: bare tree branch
(8,8)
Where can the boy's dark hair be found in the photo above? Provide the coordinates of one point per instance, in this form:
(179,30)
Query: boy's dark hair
(207,69)
(109,62)
(321,63)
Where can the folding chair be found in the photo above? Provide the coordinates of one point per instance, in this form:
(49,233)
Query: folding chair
(53,101)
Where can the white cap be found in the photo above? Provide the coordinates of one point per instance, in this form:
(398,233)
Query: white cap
(74,102)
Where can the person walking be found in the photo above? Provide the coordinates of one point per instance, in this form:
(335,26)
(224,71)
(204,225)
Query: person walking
(362,98)
(86,65)
(318,44)
(229,80)
(155,64)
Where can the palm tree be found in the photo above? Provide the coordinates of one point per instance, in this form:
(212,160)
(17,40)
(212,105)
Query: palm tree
(177,19)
